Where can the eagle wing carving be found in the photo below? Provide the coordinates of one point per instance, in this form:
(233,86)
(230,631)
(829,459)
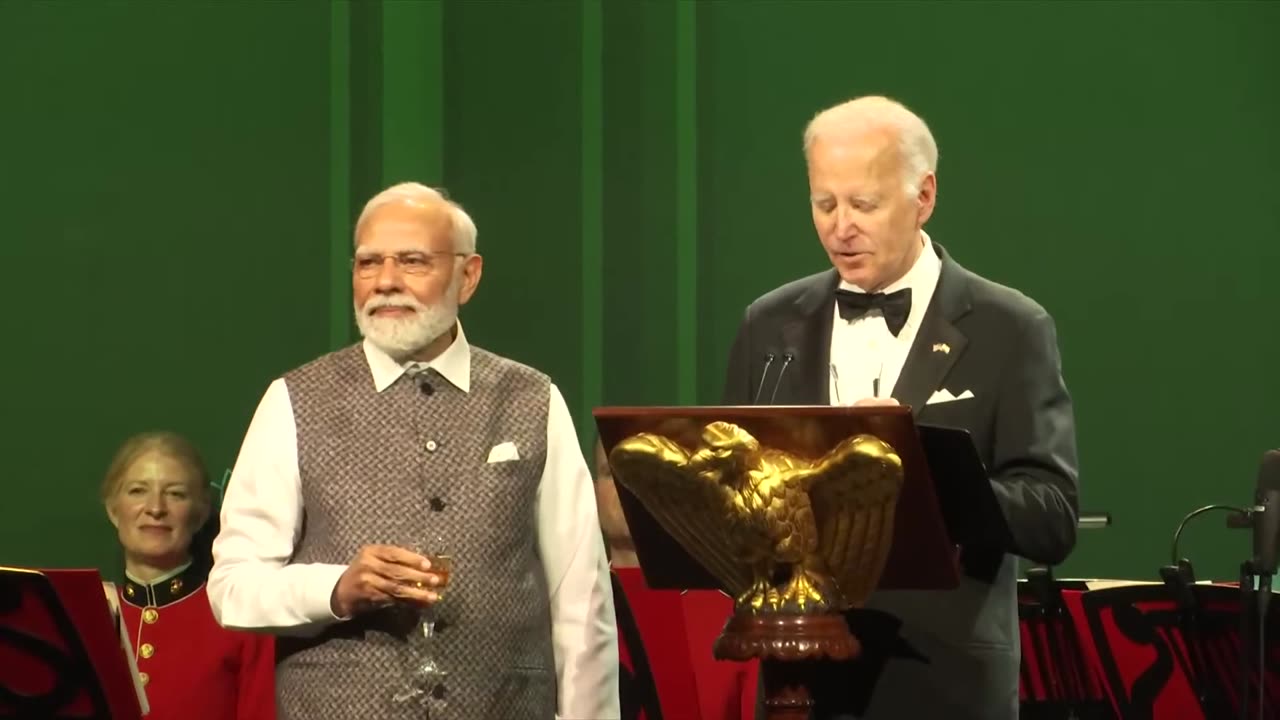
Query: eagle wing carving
(854,495)
(701,511)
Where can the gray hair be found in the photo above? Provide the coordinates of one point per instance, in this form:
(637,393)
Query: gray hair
(461,226)
(916,145)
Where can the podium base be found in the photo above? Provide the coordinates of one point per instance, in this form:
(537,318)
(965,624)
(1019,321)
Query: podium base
(748,636)
(791,649)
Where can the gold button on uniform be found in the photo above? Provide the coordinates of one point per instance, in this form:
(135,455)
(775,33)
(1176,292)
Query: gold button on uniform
(150,615)
(145,678)
(147,650)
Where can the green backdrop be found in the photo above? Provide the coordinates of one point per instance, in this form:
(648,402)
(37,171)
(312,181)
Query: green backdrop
(178,183)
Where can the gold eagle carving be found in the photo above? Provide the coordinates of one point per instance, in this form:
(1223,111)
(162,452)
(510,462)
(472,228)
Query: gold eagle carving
(782,534)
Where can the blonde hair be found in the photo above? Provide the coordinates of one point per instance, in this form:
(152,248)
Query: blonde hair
(169,444)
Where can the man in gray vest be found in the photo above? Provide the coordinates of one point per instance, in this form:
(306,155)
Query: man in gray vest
(361,464)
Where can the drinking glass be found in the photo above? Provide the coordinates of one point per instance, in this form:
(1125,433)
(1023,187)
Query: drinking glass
(428,674)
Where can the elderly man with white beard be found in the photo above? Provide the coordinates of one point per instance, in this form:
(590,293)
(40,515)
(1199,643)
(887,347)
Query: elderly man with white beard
(361,466)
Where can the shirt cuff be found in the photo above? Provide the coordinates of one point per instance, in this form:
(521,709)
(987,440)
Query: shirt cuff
(317,600)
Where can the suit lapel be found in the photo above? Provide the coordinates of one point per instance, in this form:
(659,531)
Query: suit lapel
(939,342)
(807,336)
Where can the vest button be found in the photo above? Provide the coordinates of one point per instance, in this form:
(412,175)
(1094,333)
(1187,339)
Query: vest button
(437,505)
(431,446)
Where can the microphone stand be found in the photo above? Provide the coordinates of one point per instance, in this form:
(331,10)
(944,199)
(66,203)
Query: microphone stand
(1176,576)
(1255,596)
(1180,579)
(1256,577)
(1262,598)
(1246,613)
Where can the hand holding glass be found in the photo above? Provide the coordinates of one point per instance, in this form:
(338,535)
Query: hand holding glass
(426,677)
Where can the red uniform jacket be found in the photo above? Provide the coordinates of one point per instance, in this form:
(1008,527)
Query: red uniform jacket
(191,667)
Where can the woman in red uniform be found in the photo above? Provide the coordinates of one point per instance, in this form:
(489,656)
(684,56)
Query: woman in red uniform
(156,493)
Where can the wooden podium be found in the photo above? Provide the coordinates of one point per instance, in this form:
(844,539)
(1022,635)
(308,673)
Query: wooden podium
(794,646)
(63,654)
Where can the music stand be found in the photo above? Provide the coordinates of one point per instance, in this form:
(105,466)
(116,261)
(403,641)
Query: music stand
(62,653)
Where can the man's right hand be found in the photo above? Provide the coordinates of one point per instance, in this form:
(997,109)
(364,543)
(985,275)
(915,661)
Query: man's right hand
(381,575)
(876,402)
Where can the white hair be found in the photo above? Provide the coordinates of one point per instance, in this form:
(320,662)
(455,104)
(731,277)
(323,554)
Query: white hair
(919,151)
(403,337)
(461,226)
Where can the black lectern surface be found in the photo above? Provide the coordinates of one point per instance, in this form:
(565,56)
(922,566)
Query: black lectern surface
(969,505)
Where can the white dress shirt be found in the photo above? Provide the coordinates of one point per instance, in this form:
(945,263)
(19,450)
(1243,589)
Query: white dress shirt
(254,586)
(863,350)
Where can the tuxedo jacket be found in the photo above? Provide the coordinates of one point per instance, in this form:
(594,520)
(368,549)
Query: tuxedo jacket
(955,654)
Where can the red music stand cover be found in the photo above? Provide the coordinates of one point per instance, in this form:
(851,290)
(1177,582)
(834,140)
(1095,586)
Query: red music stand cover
(61,654)
(666,637)
(1136,635)
(1058,678)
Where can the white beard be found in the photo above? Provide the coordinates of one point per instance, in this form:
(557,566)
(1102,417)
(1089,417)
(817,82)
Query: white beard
(404,337)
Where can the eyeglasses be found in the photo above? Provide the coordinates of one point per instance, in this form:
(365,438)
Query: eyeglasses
(414,262)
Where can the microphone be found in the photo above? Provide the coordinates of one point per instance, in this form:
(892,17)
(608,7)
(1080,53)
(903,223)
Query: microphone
(787,357)
(1256,575)
(1091,521)
(1266,515)
(1266,546)
(792,338)
(768,360)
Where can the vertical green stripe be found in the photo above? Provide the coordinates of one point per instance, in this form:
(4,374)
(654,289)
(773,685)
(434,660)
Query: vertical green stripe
(686,111)
(339,174)
(365,110)
(592,216)
(413,92)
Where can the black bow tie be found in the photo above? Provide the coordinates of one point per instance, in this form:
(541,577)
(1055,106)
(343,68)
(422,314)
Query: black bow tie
(895,306)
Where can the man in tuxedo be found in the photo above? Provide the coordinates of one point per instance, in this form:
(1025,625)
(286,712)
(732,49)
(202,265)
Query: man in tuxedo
(898,321)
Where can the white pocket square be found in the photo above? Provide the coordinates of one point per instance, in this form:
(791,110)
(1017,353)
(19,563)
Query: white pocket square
(944,395)
(504,452)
